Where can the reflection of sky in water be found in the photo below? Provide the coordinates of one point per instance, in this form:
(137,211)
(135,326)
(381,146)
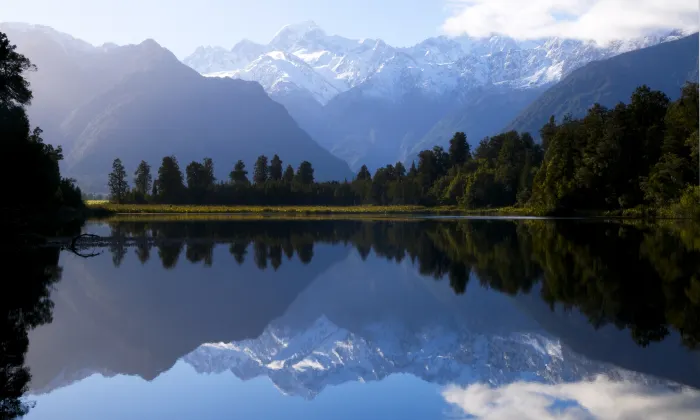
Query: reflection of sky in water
(376,339)
(182,393)
(600,398)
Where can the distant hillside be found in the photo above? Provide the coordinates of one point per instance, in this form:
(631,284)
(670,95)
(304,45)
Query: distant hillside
(139,102)
(664,67)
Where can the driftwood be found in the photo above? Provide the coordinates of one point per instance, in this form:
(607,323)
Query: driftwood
(72,247)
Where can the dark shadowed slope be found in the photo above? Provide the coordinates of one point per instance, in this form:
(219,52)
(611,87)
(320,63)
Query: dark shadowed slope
(139,102)
(664,67)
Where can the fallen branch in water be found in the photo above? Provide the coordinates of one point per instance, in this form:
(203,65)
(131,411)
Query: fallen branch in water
(73,249)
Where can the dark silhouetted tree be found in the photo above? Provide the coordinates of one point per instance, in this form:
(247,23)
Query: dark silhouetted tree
(289,174)
(459,149)
(260,170)
(143,178)
(170,181)
(239,175)
(305,174)
(276,168)
(118,186)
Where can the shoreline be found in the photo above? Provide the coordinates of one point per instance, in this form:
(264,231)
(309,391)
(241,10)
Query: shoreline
(107,210)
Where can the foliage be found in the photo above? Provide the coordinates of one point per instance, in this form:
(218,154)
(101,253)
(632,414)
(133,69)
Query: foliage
(118,186)
(143,181)
(170,185)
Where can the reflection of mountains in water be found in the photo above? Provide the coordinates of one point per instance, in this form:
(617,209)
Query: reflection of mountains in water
(140,319)
(390,321)
(362,318)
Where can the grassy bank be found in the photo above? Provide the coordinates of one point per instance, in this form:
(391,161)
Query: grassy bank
(100,209)
(103,208)
(108,208)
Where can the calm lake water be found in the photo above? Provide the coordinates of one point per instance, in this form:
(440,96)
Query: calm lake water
(357,319)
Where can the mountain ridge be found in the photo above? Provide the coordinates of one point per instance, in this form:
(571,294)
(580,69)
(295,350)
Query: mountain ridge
(139,102)
(612,81)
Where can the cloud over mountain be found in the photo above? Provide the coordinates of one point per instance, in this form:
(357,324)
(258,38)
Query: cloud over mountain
(599,20)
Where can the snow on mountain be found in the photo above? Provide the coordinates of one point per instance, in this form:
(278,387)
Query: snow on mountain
(284,72)
(304,362)
(435,66)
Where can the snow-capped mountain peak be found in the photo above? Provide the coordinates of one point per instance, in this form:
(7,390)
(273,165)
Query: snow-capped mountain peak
(290,35)
(435,66)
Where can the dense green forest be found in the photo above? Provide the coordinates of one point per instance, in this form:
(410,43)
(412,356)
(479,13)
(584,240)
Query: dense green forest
(640,278)
(638,155)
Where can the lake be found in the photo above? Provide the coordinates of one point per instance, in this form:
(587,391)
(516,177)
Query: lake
(319,318)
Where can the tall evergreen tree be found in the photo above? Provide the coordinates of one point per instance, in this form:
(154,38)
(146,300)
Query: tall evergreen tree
(364,174)
(239,176)
(209,171)
(143,178)
(276,168)
(260,170)
(118,186)
(400,170)
(170,181)
(459,149)
(289,174)
(305,173)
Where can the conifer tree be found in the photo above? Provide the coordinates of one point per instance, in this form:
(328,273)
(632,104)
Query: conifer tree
(118,186)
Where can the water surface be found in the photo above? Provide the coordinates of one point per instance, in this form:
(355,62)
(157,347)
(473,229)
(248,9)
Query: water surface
(359,319)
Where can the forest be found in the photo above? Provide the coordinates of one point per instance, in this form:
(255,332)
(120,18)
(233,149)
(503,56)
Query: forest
(641,155)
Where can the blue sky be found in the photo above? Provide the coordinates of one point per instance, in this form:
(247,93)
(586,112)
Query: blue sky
(182,25)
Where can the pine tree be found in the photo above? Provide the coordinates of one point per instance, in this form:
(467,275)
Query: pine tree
(276,168)
(260,170)
(289,174)
(364,174)
(400,170)
(305,173)
(170,181)
(209,171)
(143,178)
(118,186)
(459,149)
(413,172)
(239,176)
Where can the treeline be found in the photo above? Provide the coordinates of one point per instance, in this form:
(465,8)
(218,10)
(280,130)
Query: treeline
(637,278)
(644,153)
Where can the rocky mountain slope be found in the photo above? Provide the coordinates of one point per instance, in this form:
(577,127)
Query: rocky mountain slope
(665,67)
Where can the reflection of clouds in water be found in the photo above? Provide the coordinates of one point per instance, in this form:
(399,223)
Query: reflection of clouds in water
(600,398)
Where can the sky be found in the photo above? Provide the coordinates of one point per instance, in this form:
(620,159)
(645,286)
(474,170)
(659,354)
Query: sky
(183,25)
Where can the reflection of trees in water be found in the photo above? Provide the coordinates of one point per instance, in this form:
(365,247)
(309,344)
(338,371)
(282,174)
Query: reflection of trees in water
(24,305)
(643,279)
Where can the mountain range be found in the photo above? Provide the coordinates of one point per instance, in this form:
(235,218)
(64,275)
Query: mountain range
(306,95)
(140,102)
(372,103)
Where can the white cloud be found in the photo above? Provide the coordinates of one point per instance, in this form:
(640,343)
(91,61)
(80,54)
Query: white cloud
(600,398)
(599,20)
